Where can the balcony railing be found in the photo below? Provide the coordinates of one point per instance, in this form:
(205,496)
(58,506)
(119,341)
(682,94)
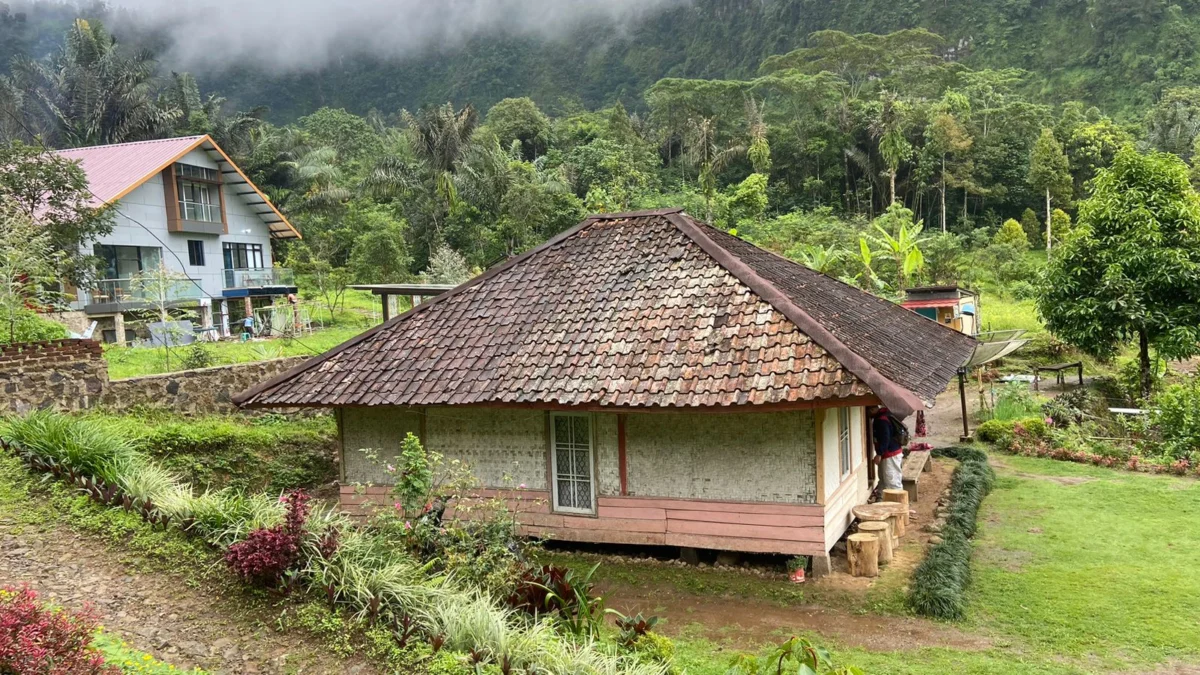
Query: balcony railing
(131,291)
(260,277)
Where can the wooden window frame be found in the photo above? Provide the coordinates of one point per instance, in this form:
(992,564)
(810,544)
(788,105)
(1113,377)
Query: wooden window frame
(591,464)
(171,177)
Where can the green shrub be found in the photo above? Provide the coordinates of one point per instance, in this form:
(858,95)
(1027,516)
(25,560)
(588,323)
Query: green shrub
(938,587)
(995,431)
(1176,420)
(1015,401)
(1035,427)
(30,327)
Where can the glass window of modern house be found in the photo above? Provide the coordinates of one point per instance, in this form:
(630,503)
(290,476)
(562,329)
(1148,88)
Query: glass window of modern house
(195,253)
(123,262)
(240,256)
(199,193)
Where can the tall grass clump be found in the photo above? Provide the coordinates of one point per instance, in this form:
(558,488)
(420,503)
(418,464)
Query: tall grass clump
(939,583)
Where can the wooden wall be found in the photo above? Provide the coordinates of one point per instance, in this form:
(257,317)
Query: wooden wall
(793,529)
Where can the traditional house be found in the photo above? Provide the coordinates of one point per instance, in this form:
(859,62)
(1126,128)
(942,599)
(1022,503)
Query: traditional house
(181,202)
(950,306)
(652,379)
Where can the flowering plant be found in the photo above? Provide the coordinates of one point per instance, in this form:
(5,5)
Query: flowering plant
(39,640)
(267,555)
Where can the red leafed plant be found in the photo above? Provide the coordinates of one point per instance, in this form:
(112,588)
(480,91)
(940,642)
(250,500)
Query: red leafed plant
(40,640)
(266,555)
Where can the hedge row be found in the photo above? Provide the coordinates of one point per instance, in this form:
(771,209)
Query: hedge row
(939,584)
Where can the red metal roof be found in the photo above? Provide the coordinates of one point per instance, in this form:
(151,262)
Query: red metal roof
(114,170)
(640,310)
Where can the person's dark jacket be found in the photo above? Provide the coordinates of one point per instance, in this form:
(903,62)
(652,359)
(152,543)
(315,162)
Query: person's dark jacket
(886,442)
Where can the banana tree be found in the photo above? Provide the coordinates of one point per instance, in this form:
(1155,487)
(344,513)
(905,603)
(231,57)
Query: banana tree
(899,239)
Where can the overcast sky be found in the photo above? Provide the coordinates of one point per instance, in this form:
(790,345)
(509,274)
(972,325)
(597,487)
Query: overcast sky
(298,34)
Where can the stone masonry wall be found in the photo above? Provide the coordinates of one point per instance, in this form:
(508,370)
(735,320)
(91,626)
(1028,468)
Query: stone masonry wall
(65,374)
(194,392)
(73,375)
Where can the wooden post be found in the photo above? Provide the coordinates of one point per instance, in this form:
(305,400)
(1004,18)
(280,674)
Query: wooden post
(862,554)
(962,398)
(387,306)
(881,532)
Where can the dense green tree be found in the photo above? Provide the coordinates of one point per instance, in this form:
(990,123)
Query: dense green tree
(380,255)
(1011,234)
(1174,122)
(53,192)
(91,92)
(519,120)
(1131,271)
(1049,173)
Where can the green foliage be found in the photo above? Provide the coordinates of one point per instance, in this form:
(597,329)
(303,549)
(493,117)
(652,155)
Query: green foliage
(939,584)
(795,653)
(1132,269)
(27,326)
(998,432)
(47,189)
(1011,234)
(1016,401)
(1176,419)
(519,120)
(415,478)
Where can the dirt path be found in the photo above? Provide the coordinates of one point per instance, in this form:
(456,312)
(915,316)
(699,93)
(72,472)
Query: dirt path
(155,612)
(742,622)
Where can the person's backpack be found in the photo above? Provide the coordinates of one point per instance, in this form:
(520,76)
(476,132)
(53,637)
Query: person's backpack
(899,431)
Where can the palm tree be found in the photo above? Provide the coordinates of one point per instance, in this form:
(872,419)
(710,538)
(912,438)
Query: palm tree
(92,93)
(707,157)
(888,129)
(234,132)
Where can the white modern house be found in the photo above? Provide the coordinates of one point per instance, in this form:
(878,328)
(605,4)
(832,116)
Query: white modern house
(182,202)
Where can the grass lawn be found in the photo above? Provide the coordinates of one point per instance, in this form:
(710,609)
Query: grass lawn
(358,311)
(126,362)
(1001,313)
(1077,569)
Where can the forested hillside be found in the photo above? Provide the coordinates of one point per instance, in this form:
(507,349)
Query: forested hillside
(885,159)
(1118,54)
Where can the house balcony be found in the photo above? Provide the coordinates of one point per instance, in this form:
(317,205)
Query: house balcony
(250,281)
(110,296)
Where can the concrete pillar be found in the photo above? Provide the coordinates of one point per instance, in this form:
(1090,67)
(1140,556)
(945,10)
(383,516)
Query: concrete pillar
(821,565)
(249,306)
(689,555)
(224,318)
(119,327)
(206,314)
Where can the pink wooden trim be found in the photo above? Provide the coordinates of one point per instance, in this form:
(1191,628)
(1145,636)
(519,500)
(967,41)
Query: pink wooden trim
(622,468)
(755,527)
(746,518)
(634,512)
(744,544)
(726,530)
(768,508)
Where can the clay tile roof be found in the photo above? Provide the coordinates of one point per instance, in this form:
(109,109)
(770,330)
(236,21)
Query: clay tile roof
(641,310)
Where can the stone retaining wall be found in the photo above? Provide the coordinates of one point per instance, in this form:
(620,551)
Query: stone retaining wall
(73,375)
(66,374)
(194,392)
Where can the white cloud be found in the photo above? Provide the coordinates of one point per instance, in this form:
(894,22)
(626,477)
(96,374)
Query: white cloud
(299,34)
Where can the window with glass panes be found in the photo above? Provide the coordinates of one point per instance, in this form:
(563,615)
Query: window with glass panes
(199,197)
(844,439)
(240,256)
(571,456)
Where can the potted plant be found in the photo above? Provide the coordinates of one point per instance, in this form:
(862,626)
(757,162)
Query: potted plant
(796,567)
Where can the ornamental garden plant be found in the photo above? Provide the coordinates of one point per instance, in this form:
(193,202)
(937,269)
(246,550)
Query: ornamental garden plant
(410,575)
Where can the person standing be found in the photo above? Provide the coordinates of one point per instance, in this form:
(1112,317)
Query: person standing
(889,453)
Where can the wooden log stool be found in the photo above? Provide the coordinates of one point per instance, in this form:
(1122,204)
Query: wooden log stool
(898,497)
(862,554)
(900,517)
(882,512)
(881,531)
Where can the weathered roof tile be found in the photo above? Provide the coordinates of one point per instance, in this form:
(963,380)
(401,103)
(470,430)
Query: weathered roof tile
(636,310)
